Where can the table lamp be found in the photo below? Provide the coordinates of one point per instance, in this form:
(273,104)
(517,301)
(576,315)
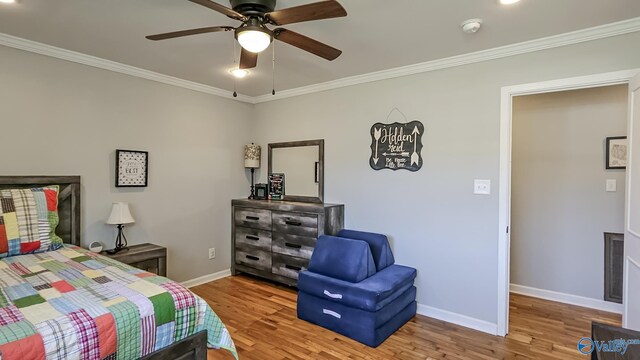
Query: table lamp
(120,215)
(252,161)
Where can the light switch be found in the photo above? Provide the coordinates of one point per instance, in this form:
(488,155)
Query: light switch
(612,185)
(482,187)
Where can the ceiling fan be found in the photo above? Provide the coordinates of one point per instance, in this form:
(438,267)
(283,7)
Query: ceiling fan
(253,34)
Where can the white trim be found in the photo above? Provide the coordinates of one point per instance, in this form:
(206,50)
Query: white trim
(206,278)
(76,57)
(570,38)
(458,319)
(634,85)
(630,131)
(628,261)
(504,196)
(567,298)
(504,213)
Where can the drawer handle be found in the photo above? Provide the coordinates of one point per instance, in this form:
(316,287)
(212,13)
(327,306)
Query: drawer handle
(294,246)
(254,238)
(253,218)
(293,223)
(332,313)
(291,267)
(333,296)
(250,257)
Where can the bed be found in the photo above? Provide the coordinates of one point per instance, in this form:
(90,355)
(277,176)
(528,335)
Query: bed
(71,303)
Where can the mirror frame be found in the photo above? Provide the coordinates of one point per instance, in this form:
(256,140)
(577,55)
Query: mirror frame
(320,145)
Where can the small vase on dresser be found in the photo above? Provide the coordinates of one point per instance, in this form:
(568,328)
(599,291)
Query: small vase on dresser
(274,239)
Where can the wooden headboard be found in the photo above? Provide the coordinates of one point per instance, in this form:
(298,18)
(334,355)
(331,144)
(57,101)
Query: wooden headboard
(68,200)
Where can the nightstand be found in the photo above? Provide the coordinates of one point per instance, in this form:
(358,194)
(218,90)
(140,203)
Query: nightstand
(147,257)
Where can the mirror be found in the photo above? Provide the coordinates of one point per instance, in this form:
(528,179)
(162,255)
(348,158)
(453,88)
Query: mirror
(302,163)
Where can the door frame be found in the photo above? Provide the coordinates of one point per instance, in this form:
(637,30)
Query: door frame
(504,191)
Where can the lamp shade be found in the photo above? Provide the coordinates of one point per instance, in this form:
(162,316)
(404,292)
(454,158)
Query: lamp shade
(252,156)
(120,214)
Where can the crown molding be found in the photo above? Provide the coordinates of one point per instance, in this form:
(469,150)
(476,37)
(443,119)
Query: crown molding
(80,58)
(574,37)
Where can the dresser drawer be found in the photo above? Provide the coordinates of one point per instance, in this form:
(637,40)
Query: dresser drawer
(296,224)
(256,259)
(253,218)
(294,245)
(288,266)
(253,237)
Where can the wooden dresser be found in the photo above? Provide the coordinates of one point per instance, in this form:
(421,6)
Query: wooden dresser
(275,239)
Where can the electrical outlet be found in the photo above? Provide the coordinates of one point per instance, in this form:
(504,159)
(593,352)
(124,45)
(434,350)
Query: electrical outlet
(212,253)
(482,187)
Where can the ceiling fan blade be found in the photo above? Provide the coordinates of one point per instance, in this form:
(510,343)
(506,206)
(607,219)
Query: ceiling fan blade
(221,9)
(315,11)
(248,59)
(307,44)
(176,34)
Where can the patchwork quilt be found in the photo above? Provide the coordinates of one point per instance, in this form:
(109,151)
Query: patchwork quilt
(74,304)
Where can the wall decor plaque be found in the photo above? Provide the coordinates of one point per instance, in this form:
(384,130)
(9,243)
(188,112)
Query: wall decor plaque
(396,146)
(132,168)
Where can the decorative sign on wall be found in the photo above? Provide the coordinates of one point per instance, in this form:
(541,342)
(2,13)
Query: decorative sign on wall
(132,168)
(396,146)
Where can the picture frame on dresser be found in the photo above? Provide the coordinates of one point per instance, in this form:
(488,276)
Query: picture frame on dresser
(276,186)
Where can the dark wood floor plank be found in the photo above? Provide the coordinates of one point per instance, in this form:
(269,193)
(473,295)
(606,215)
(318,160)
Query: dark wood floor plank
(261,318)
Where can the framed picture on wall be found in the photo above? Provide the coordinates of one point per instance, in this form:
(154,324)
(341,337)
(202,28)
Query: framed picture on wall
(132,168)
(616,153)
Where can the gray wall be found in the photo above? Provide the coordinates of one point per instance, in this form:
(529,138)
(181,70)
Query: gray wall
(559,205)
(437,224)
(58,117)
(195,141)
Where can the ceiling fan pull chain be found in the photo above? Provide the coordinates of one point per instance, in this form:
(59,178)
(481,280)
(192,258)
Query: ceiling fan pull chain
(235,66)
(273,73)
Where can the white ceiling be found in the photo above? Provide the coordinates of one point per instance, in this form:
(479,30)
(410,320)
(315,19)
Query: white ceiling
(377,34)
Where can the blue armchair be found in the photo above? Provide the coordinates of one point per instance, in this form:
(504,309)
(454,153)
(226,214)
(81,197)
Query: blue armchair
(353,287)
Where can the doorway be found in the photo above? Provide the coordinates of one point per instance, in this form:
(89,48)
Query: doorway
(561,206)
(504,222)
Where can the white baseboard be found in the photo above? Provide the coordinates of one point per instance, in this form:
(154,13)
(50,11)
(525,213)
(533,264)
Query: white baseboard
(458,319)
(567,298)
(206,278)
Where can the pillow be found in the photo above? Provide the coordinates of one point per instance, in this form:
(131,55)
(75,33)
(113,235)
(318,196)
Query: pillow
(28,220)
(340,258)
(380,249)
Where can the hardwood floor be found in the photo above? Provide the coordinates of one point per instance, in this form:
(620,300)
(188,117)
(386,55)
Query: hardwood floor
(262,320)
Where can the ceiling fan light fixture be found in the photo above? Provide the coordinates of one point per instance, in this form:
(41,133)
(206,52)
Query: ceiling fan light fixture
(239,73)
(508,2)
(254,38)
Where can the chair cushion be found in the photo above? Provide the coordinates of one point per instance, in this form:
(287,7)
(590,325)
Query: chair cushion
(370,294)
(380,249)
(345,259)
(370,328)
